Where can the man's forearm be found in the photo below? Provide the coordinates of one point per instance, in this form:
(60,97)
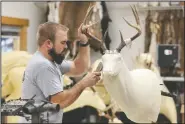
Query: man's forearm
(82,61)
(70,95)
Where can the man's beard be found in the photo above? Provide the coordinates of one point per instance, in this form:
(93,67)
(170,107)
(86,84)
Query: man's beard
(58,58)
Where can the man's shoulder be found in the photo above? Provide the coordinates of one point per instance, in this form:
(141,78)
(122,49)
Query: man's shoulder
(39,61)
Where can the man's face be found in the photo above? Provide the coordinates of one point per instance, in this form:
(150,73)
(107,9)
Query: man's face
(60,43)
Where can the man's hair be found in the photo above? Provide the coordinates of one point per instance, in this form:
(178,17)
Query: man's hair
(48,30)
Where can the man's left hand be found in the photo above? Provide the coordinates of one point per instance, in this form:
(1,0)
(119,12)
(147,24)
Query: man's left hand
(82,37)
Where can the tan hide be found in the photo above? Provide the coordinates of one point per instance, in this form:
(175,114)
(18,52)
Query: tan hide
(72,14)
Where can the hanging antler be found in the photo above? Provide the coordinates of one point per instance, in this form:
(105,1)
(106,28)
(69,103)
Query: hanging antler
(137,27)
(84,29)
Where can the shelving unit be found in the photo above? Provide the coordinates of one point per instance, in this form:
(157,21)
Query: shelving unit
(160,8)
(140,8)
(173,79)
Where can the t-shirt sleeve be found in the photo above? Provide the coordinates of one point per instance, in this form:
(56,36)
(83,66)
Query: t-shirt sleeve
(48,80)
(65,66)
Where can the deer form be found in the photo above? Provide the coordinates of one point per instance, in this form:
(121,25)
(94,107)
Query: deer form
(168,108)
(135,91)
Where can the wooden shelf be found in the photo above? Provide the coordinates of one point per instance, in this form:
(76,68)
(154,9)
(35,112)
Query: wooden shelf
(22,24)
(140,8)
(173,79)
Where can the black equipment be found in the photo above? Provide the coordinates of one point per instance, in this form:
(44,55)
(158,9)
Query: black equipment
(168,55)
(25,107)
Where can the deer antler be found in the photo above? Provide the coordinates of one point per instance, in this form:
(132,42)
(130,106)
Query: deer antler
(84,29)
(137,27)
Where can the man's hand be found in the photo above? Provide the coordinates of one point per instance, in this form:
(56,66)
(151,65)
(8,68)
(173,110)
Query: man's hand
(82,37)
(91,79)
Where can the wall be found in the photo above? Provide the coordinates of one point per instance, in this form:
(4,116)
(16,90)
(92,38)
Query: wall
(26,10)
(117,10)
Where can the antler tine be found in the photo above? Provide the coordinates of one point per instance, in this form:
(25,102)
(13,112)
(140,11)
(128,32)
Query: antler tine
(135,14)
(137,19)
(103,44)
(88,12)
(105,34)
(122,44)
(137,27)
(85,27)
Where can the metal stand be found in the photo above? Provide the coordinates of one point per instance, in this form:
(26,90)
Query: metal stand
(35,118)
(20,107)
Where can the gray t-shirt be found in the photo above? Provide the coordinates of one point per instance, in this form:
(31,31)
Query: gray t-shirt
(44,78)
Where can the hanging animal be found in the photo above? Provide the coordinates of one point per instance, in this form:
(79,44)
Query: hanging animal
(71,14)
(148,33)
(170,30)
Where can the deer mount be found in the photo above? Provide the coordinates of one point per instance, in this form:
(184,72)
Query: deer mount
(136,92)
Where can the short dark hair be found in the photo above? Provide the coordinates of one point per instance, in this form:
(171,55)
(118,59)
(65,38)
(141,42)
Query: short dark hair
(48,30)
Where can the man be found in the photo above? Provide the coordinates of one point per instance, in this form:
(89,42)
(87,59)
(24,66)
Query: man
(43,73)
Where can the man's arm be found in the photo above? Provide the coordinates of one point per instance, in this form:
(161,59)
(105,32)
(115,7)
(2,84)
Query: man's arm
(48,80)
(82,61)
(67,97)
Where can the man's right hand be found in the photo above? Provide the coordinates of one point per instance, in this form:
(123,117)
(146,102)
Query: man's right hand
(91,79)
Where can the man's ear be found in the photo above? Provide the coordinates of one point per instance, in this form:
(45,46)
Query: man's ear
(49,44)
